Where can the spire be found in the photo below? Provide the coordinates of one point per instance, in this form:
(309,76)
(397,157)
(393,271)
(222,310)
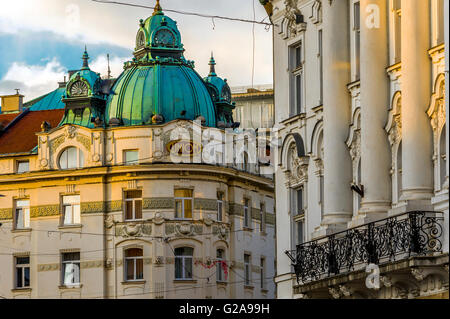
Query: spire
(85,59)
(158,9)
(212,68)
(109,69)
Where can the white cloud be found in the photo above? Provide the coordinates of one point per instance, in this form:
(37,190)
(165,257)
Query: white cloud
(92,22)
(100,64)
(32,80)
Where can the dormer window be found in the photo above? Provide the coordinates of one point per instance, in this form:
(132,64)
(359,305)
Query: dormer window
(141,40)
(79,88)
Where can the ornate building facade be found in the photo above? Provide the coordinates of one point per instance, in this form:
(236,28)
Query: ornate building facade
(360,99)
(107,190)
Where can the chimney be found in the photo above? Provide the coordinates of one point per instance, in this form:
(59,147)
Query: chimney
(12,103)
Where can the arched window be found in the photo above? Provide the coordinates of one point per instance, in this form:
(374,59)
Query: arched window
(71,158)
(134,264)
(220,265)
(183,263)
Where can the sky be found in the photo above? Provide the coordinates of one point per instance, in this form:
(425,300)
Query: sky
(40,40)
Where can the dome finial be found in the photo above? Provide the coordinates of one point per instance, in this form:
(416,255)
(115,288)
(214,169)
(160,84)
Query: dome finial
(158,9)
(212,68)
(85,59)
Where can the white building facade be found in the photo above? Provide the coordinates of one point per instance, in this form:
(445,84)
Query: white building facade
(360,89)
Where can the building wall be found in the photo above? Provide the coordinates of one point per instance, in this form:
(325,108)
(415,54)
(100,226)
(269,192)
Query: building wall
(351,132)
(103,234)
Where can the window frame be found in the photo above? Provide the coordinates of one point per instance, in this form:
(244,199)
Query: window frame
(247,213)
(220,207)
(64,263)
(18,171)
(73,212)
(183,202)
(262,272)
(26,218)
(133,200)
(220,274)
(262,212)
(135,260)
(247,269)
(22,267)
(183,259)
(296,78)
(79,160)
(133,162)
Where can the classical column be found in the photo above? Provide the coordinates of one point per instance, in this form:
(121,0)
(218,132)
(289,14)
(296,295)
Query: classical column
(336,108)
(417,141)
(375,152)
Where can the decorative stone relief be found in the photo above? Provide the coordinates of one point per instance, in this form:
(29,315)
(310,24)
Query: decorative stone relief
(316,12)
(298,168)
(293,25)
(109,221)
(56,142)
(133,230)
(158,219)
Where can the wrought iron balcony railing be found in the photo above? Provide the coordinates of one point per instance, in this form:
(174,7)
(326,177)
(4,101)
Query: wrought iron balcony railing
(410,234)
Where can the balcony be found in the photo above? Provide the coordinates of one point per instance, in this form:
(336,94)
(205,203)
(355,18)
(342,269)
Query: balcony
(392,239)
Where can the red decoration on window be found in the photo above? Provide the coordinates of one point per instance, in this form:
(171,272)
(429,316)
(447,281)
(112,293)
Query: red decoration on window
(210,265)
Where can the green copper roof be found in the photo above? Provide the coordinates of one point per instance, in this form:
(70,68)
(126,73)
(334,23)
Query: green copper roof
(172,90)
(50,101)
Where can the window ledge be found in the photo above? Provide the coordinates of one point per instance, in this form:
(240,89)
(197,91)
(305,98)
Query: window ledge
(25,289)
(134,282)
(221,283)
(74,286)
(72,226)
(248,229)
(249,287)
(264,291)
(21,230)
(185,281)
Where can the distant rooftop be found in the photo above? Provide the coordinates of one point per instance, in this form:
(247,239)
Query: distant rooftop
(244,89)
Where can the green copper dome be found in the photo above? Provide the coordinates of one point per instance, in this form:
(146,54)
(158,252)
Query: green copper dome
(159,85)
(169,91)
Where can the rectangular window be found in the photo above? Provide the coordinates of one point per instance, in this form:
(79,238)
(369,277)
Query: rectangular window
(70,270)
(220,207)
(22,214)
(262,212)
(134,264)
(22,272)
(23,166)
(300,231)
(71,210)
(133,205)
(247,213)
(131,157)
(183,263)
(220,265)
(183,203)
(300,207)
(247,269)
(296,80)
(321,190)
(262,273)
(320,66)
(357,30)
